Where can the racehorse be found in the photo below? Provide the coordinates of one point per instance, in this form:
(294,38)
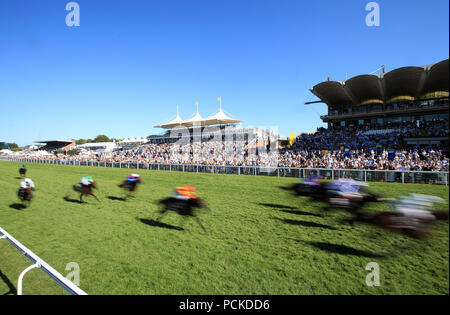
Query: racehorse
(182,207)
(25,195)
(415,227)
(130,185)
(323,192)
(84,190)
(350,202)
(316,192)
(22,171)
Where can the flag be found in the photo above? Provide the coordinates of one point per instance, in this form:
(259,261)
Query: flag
(291,139)
(219,99)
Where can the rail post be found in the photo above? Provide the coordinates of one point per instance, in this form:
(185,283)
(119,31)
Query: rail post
(19,282)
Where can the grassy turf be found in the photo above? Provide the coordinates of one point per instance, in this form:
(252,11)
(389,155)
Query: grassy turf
(260,240)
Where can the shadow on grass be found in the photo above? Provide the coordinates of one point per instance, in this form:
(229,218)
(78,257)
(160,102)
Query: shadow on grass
(307,224)
(11,287)
(116,198)
(160,224)
(299,212)
(72,200)
(17,206)
(343,250)
(276,206)
(20,177)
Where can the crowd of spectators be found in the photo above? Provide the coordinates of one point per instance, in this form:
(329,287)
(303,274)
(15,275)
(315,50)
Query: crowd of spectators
(339,148)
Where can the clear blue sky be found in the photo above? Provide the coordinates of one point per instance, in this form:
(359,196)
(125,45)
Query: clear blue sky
(130,62)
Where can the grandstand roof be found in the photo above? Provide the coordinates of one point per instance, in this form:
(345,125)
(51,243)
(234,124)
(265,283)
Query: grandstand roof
(220,118)
(196,120)
(55,141)
(407,83)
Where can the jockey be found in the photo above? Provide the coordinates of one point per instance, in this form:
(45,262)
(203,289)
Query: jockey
(133,180)
(313,180)
(86,180)
(345,191)
(27,184)
(185,193)
(344,185)
(415,206)
(24,166)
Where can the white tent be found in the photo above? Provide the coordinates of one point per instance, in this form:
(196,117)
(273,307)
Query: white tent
(220,118)
(176,122)
(196,120)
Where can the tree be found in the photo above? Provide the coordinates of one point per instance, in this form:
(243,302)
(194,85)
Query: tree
(80,141)
(4,145)
(101,138)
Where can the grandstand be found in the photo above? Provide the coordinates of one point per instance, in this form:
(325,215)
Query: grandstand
(178,128)
(408,96)
(55,145)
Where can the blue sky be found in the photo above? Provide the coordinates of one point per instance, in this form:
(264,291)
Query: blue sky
(129,63)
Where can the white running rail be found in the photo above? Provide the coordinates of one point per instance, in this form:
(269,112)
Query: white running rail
(39,263)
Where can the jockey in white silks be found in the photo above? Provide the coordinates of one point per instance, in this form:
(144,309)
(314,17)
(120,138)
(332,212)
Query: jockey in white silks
(86,180)
(417,206)
(27,183)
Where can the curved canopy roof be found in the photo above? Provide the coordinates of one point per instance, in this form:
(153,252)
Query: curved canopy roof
(366,88)
(407,83)
(332,92)
(438,78)
(403,83)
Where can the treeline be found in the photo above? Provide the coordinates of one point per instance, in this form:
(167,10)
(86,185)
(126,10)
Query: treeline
(12,146)
(99,138)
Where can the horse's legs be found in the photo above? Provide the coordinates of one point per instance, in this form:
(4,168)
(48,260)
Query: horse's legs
(94,196)
(200,223)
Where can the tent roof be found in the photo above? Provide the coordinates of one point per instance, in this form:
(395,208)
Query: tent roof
(196,120)
(221,118)
(176,122)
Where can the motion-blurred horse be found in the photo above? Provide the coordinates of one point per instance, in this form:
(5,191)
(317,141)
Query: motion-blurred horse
(417,227)
(25,195)
(22,171)
(183,207)
(84,190)
(131,184)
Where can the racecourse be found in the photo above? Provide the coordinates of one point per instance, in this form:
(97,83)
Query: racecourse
(259,240)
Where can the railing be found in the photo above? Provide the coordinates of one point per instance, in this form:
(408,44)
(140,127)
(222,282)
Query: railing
(39,263)
(422,177)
